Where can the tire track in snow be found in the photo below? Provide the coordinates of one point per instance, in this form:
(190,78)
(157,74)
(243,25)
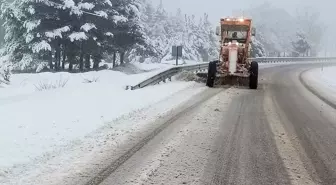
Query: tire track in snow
(103,174)
(290,157)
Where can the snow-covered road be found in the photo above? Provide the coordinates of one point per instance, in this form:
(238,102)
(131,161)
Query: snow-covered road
(178,155)
(278,134)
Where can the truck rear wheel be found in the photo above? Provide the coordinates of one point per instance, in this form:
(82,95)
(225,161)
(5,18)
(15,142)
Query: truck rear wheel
(212,70)
(254,70)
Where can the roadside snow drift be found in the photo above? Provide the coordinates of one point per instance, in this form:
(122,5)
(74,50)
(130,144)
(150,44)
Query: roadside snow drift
(323,80)
(42,112)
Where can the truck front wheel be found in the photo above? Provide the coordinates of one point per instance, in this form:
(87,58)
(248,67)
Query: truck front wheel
(254,70)
(212,69)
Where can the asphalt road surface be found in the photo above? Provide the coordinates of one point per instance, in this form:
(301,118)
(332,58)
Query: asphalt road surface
(279,134)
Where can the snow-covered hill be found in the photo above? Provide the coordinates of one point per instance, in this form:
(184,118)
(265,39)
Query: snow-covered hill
(282,34)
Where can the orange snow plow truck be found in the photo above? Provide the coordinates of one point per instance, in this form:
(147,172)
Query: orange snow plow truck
(234,66)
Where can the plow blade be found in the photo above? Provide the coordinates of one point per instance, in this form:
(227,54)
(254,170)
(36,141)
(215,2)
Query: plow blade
(231,80)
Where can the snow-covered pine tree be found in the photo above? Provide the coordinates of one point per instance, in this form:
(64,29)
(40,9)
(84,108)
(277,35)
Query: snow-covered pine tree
(30,32)
(176,34)
(159,33)
(209,45)
(147,48)
(55,32)
(301,46)
(76,30)
(15,48)
(95,29)
(258,49)
(129,31)
(198,39)
(44,26)
(2,29)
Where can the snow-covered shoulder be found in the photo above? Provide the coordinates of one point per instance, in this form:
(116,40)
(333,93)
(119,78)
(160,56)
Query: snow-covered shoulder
(45,113)
(323,80)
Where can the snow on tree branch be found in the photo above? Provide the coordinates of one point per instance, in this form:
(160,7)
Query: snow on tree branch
(101,14)
(57,32)
(30,25)
(29,38)
(86,6)
(78,36)
(109,34)
(119,18)
(88,26)
(41,46)
(108,2)
(31,10)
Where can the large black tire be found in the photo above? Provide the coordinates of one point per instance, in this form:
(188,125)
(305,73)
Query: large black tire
(212,70)
(254,72)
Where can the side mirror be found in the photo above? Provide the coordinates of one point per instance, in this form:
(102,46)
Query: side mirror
(253,31)
(218,30)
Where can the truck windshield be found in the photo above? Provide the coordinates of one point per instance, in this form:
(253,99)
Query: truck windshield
(237,34)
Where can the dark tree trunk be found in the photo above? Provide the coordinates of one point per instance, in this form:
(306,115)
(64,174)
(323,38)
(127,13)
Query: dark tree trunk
(87,61)
(114,59)
(70,64)
(71,52)
(81,58)
(122,55)
(64,57)
(96,62)
(51,60)
(58,58)
(63,65)
(81,62)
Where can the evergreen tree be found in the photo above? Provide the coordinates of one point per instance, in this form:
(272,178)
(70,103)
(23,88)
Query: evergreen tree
(15,48)
(300,45)
(51,34)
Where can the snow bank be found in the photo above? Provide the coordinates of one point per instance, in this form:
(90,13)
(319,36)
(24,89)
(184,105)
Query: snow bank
(35,122)
(164,64)
(268,65)
(151,66)
(180,62)
(323,80)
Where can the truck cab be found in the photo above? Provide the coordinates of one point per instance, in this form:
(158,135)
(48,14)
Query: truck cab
(235,38)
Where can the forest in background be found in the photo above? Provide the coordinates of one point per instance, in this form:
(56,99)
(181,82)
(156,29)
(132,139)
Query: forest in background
(80,35)
(59,35)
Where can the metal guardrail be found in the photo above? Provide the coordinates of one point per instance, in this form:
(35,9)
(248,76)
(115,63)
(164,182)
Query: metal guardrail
(169,73)
(292,59)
